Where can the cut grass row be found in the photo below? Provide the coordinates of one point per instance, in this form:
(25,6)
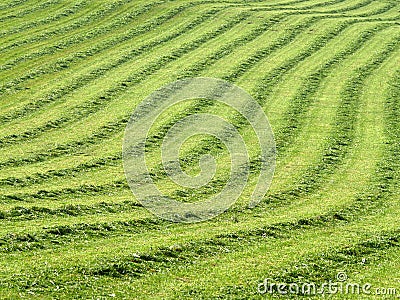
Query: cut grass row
(352,47)
(54,125)
(291,230)
(366,201)
(31,9)
(171,257)
(134,79)
(57,193)
(51,125)
(115,32)
(40,30)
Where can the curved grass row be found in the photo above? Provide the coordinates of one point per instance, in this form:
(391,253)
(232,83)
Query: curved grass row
(383,56)
(326,74)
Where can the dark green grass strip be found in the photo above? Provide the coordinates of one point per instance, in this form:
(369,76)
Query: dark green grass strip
(341,13)
(40,177)
(95,49)
(12,4)
(314,269)
(341,139)
(190,72)
(83,80)
(105,133)
(85,189)
(336,152)
(112,128)
(388,170)
(62,64)
(370,201)
(73,117)
(266,51)
(323,5)
(162,258)
(87,19)
(20,213)
(312,6)
(55,48)
(67,12)
(116,126)
(261,93)
(30,10)
(79,112)
(372,248)
(305,97)
(109,130)
(81,21)
(389,5)
(33,196)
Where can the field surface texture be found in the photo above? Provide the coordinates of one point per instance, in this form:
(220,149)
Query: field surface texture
(325,72)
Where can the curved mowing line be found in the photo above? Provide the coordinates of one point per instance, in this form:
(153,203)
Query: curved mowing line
(365,203)
(134,79)
(305,186)
(122,21)
(276,73)
(86,79)
(192,71)
(262,53)
(304,98)
(299,107)
(87,19)
(314,47)
(341,139)
(104,133)
(96,32)
(31,10)
(73,117)
(37,178)
(54,68)
(321,4)
(86,189)
(58,47)
(326,4)
(20,213)
(379,11)
(65,62)
(97,48)
(284,3)
(120,88)
(318,268)
(47,20)
(324,266)
(245,64)
(335,12)
(12,4)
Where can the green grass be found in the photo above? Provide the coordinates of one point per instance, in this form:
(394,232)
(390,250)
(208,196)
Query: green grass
(327,75)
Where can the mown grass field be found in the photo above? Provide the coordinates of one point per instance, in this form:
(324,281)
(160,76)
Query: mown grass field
(327,74)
